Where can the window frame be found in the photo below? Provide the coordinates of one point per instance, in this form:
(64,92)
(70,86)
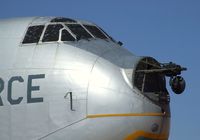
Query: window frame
(81,26)
(103,33)
(24,35)
(59,37)
(60,33)
(64,24)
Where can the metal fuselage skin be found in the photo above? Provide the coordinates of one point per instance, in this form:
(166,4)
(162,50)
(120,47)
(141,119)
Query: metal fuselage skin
(36,79)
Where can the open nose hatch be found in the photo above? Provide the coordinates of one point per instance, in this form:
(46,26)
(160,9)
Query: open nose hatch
(149,78)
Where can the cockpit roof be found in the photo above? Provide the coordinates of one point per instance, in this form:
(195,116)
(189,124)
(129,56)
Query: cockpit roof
(45,20)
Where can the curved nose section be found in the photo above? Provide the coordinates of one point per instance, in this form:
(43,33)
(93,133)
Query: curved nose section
(122,112)
(158,131)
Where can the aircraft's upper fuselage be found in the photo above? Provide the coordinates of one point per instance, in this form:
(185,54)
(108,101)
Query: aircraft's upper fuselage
(26,32)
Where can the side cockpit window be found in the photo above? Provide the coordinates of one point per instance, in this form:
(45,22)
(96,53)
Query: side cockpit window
(52,33)
(95,31)
(79,31)
(66,36)
(33,34)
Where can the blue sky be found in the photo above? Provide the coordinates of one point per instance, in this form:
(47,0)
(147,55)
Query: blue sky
(168,30)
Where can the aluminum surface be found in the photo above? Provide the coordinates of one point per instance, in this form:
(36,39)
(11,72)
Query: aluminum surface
(97,72)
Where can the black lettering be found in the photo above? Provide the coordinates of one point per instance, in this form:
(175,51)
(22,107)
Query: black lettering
(31,88)
(12,79)
(1,89)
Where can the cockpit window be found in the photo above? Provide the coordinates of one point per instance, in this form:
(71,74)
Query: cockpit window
(57,31)
(52,33)
(66,36)
(107,35)
(79,31)
(95,31)
(33,34)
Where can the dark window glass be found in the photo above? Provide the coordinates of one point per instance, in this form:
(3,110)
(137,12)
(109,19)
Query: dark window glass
(107,35)
(52,33)
(33,34)
(66,36)
(95,31)
(79,31)
(61,19)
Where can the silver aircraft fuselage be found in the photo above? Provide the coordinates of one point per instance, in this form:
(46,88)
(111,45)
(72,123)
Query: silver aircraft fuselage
(64,79)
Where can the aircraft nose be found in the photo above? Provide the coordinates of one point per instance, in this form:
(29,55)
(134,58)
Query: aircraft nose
(152,130)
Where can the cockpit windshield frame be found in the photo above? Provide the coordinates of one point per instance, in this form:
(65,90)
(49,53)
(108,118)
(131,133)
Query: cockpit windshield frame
(95,31)
(80,32)
(76,33)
